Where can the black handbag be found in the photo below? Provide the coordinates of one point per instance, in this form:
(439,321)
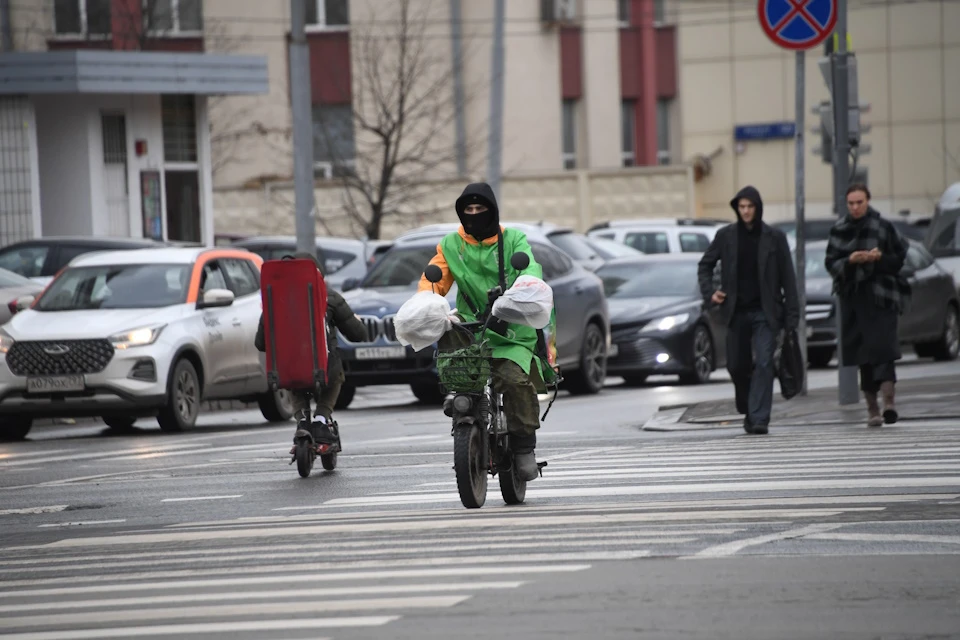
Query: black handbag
(791,365)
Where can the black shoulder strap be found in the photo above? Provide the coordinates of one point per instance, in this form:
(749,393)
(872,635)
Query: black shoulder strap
(502,267)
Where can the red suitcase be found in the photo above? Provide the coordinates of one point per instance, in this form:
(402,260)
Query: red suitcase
(294,299)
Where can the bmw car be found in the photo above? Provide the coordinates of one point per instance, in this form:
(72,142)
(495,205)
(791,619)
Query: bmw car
(658,320)
(583,327)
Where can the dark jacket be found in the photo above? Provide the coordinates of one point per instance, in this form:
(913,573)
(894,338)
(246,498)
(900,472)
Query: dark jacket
(778,282)
(339,316)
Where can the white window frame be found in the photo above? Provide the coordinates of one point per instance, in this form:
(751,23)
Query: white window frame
(321,23)
(174,31)
(84,34)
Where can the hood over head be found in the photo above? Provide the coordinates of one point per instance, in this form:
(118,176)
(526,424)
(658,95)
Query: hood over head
(751,194)
(479,225)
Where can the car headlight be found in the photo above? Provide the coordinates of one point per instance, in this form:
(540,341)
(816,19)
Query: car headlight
(666,323)
(6,342)
(136,337)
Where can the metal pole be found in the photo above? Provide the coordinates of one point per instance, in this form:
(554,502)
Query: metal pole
(456,28)
(302,128)
(846,375)
(7,34)
(800,200)
(495,139)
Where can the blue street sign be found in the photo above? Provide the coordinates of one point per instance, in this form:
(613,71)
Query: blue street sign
(797,24)
(766,131)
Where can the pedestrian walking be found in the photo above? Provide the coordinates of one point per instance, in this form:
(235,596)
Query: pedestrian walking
(865,254)
(757,299)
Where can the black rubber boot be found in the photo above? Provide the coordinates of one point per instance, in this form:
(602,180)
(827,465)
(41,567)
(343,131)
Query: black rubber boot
(524,456)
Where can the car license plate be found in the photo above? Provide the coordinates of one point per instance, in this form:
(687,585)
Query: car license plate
(54,384)
(613,351)
(381,353)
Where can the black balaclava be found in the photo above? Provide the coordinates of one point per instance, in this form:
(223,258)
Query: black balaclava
(479,225)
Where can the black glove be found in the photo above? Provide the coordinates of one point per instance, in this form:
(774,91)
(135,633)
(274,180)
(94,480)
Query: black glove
(498,326)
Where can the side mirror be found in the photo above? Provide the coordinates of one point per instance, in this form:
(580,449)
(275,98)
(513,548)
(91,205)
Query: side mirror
(433,273)
(349,284)
(216,298)
(24,303)
(520,261)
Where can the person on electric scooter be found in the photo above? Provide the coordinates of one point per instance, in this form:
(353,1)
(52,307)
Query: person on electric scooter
(471,258)
(339,316)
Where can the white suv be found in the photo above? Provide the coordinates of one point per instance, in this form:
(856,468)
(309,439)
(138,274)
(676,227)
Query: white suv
(129,334)
(668,235)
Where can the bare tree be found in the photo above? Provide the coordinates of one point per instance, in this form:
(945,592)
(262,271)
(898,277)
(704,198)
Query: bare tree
(402,115)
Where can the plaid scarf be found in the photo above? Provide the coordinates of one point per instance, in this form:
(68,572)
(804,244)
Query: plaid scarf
(869,232)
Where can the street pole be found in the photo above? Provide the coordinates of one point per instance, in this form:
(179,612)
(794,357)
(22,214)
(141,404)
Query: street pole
(495,140)
(846,374)
(456,29)
(800,196)
(302,128)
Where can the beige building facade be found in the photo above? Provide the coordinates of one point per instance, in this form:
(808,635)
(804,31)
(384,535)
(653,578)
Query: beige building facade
(908,58)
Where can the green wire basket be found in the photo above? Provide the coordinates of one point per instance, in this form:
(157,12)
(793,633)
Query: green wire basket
(464,370)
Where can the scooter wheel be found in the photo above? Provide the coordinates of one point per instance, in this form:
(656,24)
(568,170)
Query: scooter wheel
(329,461)
(305,456)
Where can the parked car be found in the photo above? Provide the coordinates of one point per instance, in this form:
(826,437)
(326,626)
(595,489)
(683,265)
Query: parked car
(931,323)
(573,244)
(610,249)
(12,288)
(658,320)
(343,258)
(42,258)
(583,325)
(130,334)
(668,235)
(815,229)
(943,233)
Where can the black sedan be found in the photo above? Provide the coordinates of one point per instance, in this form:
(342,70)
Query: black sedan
(659,323)
(931,323)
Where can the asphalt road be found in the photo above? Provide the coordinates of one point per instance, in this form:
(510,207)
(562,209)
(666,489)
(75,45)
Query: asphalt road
(810,532)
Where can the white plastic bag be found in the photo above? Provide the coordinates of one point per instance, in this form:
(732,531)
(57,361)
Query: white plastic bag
(528,302)
(422,320)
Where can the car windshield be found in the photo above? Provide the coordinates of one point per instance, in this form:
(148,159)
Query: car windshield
(400,267)
(574,245)
(11,279)
(610,249)
(649,279)
(128,286)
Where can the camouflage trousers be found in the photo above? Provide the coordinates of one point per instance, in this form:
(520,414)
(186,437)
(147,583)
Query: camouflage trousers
(325,403)
(520,404)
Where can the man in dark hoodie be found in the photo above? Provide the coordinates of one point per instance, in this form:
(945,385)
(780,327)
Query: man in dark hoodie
(757,299)
(472,258)
(339,316)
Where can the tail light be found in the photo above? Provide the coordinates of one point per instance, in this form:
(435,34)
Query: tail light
(12,305)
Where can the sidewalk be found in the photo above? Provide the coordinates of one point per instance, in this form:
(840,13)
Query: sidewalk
(919,399)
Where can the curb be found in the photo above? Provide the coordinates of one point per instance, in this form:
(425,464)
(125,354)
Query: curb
(668,418)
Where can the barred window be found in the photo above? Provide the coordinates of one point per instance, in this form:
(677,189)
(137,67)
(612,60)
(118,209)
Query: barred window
(179,115)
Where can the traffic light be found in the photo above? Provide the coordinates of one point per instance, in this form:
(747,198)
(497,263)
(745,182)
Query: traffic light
(824,110)
(824,129)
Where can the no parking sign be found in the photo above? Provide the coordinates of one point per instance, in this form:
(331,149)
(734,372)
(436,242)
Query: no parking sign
(797,24)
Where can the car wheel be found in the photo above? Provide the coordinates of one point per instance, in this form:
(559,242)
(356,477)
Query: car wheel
(702,358)
(428,392)
(345,397)
(634,379)
(948,346)
(120,424)
(183,398)
(819,357)
(15,428)
(276,406)
(589,378)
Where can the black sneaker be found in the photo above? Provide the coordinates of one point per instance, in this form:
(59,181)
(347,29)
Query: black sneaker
(324,433)
(747,425)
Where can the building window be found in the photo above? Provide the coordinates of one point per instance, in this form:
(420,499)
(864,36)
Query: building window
(334,149)
(328,13)
(569,124)
(628,121)
(179,122)
(663,131)
(173,16)
(81,17)
(623,12)
(659,11)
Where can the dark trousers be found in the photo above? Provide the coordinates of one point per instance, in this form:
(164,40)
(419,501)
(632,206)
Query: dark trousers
(326,401)
(751,343)
(521,407)
(873,375)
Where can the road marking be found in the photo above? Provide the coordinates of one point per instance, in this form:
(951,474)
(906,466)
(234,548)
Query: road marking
(81,523)
(234,610)
(30,510)
(732,548)
(293,578)
(206,627)
(292,594)
(201,498)
(886,537)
